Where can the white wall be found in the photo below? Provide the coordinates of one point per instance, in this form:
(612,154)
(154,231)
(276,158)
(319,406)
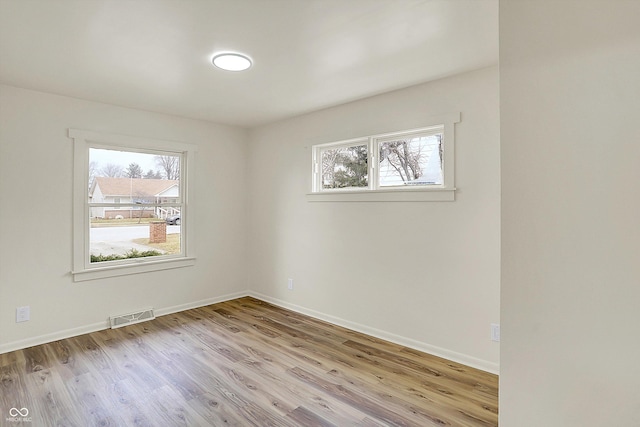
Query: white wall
(426,274)
(570,304)
(36,249)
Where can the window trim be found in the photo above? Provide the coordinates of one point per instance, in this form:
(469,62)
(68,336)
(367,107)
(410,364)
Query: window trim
(374,193)
(84,140)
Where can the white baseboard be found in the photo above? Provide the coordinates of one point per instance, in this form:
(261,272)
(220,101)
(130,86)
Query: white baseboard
(54,336)
(98,326)
(461,358)
(397,339)
(201,303)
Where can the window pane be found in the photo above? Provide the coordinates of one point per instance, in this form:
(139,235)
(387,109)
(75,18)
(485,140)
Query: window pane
(119,177)
(149,228)
(411,161)
(131,233)
(345,167)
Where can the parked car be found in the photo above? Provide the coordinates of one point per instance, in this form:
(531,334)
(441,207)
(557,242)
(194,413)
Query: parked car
(173,220)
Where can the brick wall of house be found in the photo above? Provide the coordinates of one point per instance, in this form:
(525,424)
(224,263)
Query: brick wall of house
(125,213)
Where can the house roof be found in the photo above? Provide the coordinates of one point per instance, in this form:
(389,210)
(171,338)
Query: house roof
(132,186)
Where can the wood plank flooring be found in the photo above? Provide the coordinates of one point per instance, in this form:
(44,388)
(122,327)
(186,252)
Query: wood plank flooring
(240,363)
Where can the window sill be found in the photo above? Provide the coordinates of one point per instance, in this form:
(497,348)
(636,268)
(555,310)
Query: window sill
(430,195)
(125,269)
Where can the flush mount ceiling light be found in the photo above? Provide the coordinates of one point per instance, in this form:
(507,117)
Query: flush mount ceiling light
(231,61)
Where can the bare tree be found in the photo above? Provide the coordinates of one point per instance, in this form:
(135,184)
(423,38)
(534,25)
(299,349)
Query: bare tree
(329,158)
(143,200)
(111,170)
(93,172)
(170,165)
(402,157)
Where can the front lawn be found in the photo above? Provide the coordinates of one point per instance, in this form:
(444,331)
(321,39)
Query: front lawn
(171,246)
(120,222)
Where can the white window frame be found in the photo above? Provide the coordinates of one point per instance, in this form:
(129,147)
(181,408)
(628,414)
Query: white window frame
(83,141)
(440,192)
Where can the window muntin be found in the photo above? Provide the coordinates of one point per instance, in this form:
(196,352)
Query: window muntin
(118,223)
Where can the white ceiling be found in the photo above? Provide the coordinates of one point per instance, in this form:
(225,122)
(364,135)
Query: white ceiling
(308,54)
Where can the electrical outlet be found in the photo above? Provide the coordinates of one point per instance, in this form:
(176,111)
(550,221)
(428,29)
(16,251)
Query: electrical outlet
(290,284)
(23,314)
(495,332)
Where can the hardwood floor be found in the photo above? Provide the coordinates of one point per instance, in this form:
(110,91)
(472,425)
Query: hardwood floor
(245,363)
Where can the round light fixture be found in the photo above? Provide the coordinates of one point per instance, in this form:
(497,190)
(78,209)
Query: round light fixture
(231,61)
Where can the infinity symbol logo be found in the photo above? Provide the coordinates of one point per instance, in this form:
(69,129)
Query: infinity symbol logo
(14,412)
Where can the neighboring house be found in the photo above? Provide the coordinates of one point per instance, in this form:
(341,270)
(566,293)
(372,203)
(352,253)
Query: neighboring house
(133,190)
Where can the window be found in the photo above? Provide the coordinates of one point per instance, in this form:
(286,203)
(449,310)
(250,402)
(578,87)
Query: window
(412,159)
(127,220)
(413,165)
(343,166)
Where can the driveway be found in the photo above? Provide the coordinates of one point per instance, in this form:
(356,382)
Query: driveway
(118,240)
